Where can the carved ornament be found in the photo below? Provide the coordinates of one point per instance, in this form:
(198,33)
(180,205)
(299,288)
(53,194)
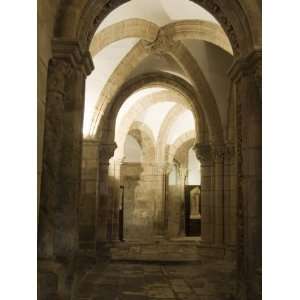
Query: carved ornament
(250,65)
(58,70)
(106,151)
(71,52)
(203,152)
(229,152)
(162,44)
(218,153)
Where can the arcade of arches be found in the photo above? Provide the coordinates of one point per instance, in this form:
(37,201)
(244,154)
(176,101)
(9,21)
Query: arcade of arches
(149,166)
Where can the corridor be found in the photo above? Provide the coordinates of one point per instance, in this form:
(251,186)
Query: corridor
(149,150)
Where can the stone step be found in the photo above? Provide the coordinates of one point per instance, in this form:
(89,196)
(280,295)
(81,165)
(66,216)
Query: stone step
(164,251)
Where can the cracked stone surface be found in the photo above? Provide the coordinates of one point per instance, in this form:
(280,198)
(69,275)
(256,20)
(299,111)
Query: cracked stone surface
(211,280)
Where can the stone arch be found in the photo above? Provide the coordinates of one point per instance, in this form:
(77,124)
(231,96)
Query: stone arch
(208,102)
(76,24)
(139,107)
(144,136)
(166,42)
(198,30)
(165,130)
(79,20)
(145,30)
(123,70)
(172,149)
(184,148)
(132,28)
(107,124)
(186,61)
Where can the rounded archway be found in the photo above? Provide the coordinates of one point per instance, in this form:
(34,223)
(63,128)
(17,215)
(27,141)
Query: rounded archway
(76,24)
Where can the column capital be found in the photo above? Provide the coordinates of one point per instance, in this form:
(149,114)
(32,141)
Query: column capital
(166,166)
(218,152)
(229,152)
(106,151)
(71,52)
(58,71)
(203,152)
(248,65)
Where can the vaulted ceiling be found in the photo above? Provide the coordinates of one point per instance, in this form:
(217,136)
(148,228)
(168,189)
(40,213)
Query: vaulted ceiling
(211,59)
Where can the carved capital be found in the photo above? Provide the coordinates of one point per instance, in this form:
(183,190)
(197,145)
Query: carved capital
(250,65)
(71,52)
(59,69)
(203,152)
(106,151)
(229,152)
(167,167)
(218,153)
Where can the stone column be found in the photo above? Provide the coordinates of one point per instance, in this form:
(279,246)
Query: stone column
(115,181)
(134,223)
(181,190)
(165,197)
(156,180)
(57,73)
(246,77)
(174,206)
(218,153)
(60,189)
(87,209)
(205,156)
(104,199)
(230,208)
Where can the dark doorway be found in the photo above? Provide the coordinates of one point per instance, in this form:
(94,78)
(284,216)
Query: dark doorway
(192,226)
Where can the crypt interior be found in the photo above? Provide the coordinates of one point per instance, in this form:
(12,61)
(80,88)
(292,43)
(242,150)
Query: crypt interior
(149,149)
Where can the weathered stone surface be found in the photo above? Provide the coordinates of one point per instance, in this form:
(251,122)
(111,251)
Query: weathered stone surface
(231,180)
(160,281)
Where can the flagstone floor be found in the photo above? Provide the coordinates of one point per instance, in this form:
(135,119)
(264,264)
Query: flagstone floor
(211,280)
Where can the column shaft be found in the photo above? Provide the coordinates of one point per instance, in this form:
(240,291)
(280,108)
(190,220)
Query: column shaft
(104,197)
(60,189)
(204,155)
(219,195)
(87,208)
(246,76)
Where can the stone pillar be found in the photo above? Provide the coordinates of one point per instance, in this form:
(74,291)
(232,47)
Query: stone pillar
(60,188)
(230,209)
(174,206)
(246,76)
(205,156)
(155,182)
(181,189)
(57,73)
(87,209)
(115,181)
(104,199)
(135,225)
(165,183)
(218,153)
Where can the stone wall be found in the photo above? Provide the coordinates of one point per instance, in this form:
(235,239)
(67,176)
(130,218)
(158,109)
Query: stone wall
(175,207)
(143,200)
